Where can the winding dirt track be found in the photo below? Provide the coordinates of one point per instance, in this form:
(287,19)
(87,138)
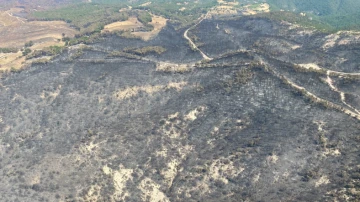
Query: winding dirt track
(11,15)
(191,42)
(352,111)
(349,110)
(342,94)
(320,100)
(330,83)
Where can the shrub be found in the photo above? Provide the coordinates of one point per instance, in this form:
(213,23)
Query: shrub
(26,51)
(29,44)
(144,50)
(8,50)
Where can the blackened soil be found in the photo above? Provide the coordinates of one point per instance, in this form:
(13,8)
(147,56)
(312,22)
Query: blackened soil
(118,130)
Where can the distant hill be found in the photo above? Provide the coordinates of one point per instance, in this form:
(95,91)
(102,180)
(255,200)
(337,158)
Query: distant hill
(321,8)
(340,14)
(36,4)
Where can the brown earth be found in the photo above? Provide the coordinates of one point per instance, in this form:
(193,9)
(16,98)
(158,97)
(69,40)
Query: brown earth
(158,23)
(262,8)
(132,24)
(16,31)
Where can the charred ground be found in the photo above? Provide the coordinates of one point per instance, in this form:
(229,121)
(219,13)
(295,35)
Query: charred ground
(110,127)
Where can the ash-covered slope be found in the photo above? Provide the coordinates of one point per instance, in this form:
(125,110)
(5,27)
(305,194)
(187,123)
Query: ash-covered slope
(250,125)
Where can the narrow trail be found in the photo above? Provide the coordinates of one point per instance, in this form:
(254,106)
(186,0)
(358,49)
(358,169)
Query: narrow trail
(320,100)
(354,114)
(143,59)
(11,15)
(192,43)
(349,110)
(330,83)
(329,72)
(114,60)
(336,73)
(342,94)
(316,98)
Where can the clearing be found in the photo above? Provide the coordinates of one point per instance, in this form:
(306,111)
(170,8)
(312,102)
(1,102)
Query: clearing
(158,23)
(133,24)
(128,25)
(16,31)
(233,8)
(254,9)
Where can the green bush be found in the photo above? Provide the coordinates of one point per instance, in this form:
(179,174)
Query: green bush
(29,44)
(85,17)
(26,51)
(144,17)
(145,50)
(8,50)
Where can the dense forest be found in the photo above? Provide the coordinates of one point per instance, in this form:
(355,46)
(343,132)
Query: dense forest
(326,15)
(339,14)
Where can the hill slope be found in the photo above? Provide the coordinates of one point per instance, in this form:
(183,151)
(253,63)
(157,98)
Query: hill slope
(268,119)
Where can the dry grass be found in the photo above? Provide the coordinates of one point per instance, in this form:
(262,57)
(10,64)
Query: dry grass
(6,18)
(170,171)
(16,61)
(120,178)
(146,4)
(262,8)
(249,12)
(219,170)
(331,41)
(173,67)
(310,66)
(341,38)
(223,10)
(231,8)
(322,181)
(16,31)
(151,191)
(193,115)
(131,23)
(227,3)
(133,91)
(158,23)
(11,61)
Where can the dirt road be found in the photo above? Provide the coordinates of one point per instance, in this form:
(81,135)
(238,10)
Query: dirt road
(192,43)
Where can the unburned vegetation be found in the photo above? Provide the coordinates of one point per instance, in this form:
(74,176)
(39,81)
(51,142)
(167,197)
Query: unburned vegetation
(86,18)
(145,50)
(19,37)
(136,28)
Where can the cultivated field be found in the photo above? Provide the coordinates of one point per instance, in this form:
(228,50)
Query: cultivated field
(16,31)
(158,23)
(256,8)
(132,24)
(233,8)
